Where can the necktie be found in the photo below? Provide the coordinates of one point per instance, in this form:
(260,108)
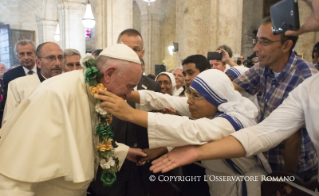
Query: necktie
(30,72)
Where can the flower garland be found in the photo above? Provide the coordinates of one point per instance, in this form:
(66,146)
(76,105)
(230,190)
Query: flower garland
(105,149)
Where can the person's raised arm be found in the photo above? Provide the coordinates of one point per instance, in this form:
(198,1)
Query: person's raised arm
(226,59)
(179,156)
(237,87)
(119,108)
(135,97)
(312,22)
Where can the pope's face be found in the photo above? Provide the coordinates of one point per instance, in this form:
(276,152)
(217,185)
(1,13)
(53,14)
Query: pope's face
(122,83)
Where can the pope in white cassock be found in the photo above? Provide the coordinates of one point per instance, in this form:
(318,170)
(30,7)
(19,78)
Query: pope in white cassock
(47,146)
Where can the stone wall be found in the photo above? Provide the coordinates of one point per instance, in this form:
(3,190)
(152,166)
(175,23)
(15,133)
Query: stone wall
(169,33)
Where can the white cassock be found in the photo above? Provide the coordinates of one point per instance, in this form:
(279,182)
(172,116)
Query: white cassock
(172,130)
(19,89)
(46,146)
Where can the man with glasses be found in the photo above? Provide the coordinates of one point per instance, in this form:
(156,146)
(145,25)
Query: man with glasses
(49,59)
(25,51)
(72,59)
(278,72)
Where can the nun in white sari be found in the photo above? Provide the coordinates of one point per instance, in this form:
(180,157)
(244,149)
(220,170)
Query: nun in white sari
(218,111)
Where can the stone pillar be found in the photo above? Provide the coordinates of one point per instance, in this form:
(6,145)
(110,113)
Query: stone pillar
(72,32)
(46,30)
(203,25)
(151,32)
(112,17)
(230,24)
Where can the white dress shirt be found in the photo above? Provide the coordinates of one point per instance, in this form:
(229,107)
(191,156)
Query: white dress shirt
(34,69)
(299,108)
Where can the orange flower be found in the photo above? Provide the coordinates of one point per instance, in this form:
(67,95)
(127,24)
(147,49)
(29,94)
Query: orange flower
(100,86)
(94,90)
(106,146)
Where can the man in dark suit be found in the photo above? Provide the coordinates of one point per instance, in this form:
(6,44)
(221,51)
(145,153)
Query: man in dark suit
(25,51)
(49,59)
(131,179)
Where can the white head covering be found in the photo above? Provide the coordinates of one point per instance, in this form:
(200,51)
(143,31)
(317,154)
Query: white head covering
(171,77)
(217,89)
(121,52)
(236,71)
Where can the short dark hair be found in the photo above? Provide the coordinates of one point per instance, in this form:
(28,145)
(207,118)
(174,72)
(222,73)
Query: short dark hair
(284,38)
(130,32)
(227,49)
(200,61)
(97,52)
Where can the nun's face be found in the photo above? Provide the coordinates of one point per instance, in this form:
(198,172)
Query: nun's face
(199,106)
(166,85)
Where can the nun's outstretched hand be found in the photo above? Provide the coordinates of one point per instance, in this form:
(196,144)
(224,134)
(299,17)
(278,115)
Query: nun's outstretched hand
(119,108)
(177,157)
(114,104)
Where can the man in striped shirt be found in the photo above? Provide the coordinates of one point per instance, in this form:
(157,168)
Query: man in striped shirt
(278,72)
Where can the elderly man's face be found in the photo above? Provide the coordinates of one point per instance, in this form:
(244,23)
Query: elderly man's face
(134,42)
(122,83)
(2,68)
(216,64)
(26,55)
(51,60)
(72,63)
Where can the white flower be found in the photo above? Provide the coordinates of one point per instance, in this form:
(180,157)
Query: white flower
(86,57)
(100,110)
(107,165)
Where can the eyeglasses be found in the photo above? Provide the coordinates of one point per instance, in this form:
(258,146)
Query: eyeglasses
(165,83)
(52,58)
(266,42)
(193,96)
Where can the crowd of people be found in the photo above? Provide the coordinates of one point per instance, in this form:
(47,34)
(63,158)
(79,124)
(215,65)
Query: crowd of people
(210,117)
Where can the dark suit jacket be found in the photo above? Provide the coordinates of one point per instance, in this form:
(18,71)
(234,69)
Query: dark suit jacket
(9,76)
(133,136)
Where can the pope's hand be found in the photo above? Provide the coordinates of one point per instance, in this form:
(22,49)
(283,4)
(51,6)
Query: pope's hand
(312,22)
(115,105)
(179,156)
(152,154)
(133,153)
